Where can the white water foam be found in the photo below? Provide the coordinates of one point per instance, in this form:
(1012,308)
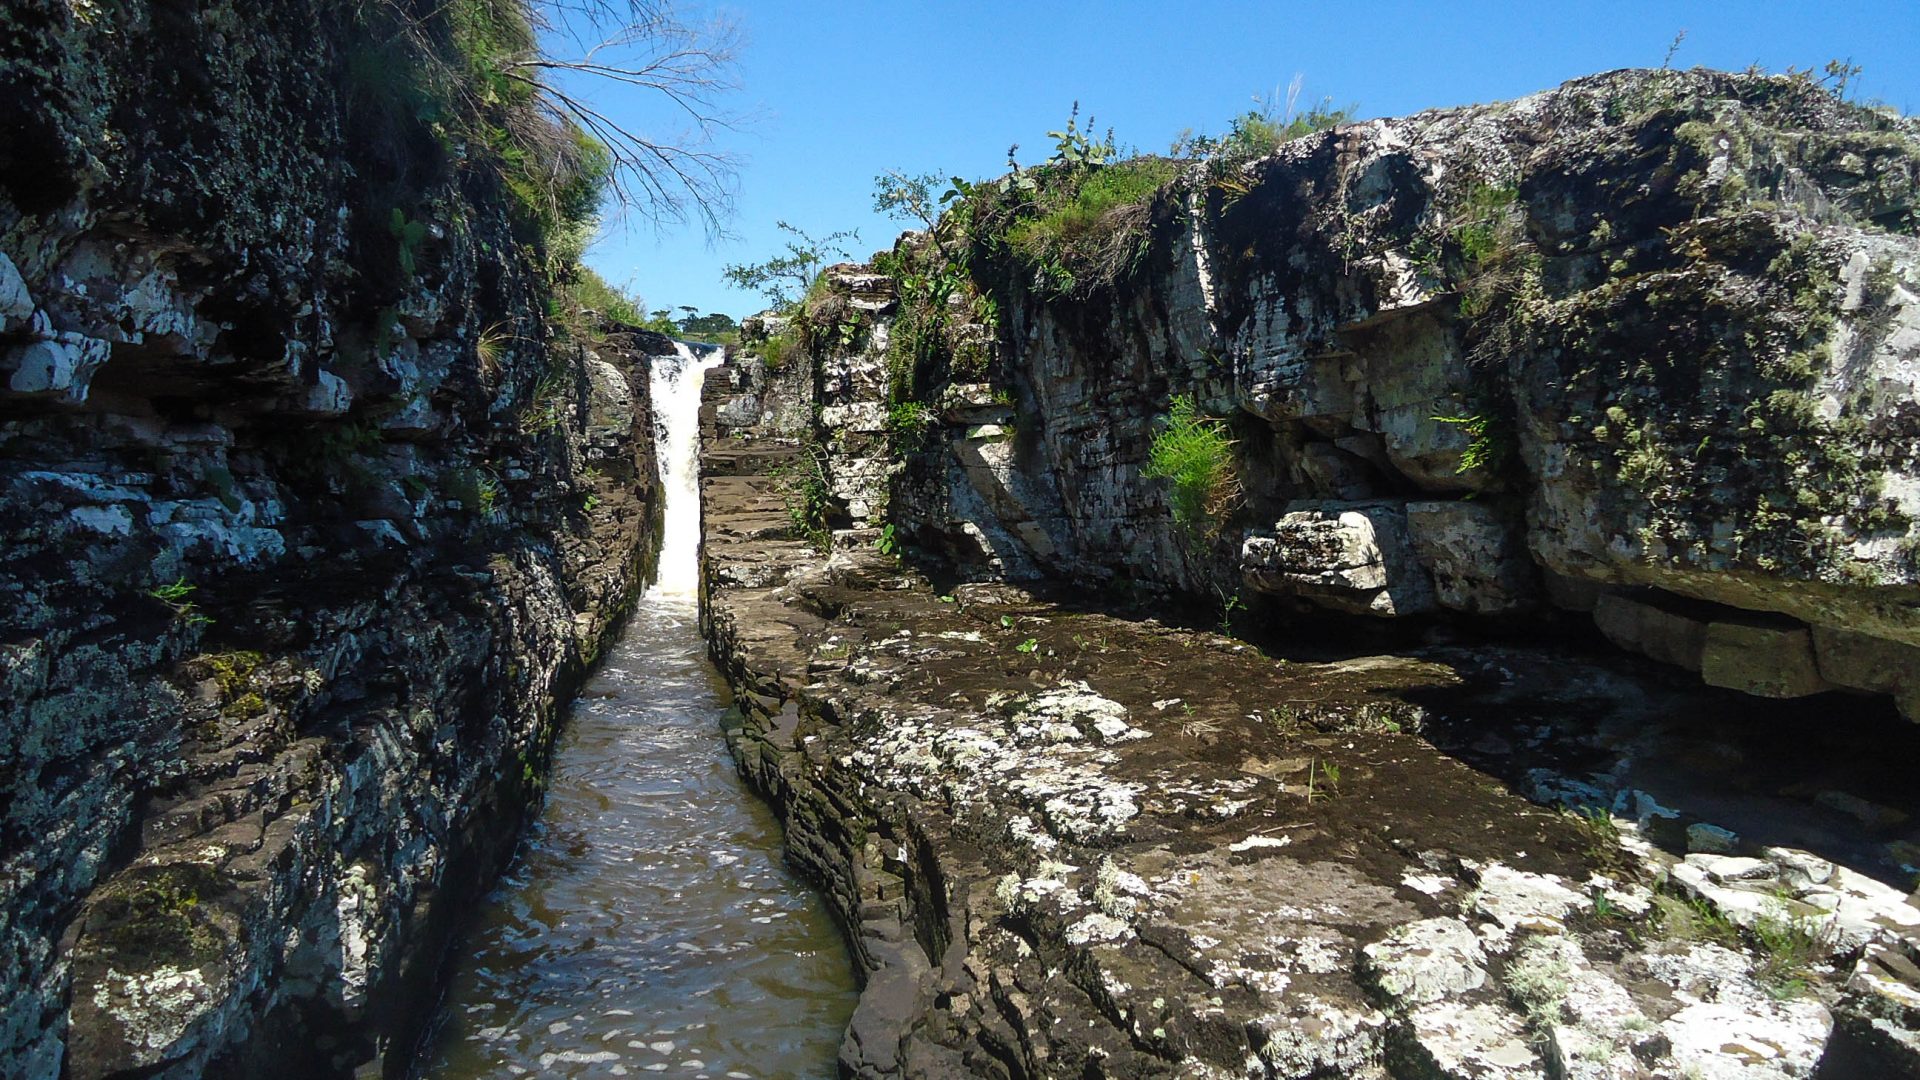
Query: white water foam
(676,382)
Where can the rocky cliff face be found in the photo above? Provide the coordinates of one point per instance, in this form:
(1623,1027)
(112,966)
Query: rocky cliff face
(1635,357)
(1644,346)
(310,523)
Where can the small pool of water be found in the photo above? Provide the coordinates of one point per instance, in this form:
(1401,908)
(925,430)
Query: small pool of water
(648,926)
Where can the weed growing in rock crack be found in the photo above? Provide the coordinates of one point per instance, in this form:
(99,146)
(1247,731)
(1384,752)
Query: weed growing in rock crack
(407,237)
(1789,945)
(1490,441)
(477,489)
(1600,834)
(1230,605)
(907,426)
(1694,920)
(886,543)
(174,595)
(1537,978)
(803,488)
(1327,772)
(1194,454)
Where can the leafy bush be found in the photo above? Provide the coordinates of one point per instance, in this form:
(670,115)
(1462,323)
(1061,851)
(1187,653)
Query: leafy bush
(908,424)
(1195,455)
(803,487)
(1259,132)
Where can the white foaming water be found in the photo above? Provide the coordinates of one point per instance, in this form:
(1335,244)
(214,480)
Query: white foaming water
(676,383)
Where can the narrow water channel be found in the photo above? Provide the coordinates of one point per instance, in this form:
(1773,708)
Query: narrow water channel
(648,926)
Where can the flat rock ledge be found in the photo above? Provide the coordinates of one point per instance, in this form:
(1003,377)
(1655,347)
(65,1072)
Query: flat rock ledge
(1069,844)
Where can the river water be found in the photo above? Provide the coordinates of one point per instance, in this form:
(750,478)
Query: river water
(648,926)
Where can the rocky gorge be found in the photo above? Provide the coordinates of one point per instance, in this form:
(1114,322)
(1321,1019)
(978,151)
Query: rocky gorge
(1433,596)
(1497,398)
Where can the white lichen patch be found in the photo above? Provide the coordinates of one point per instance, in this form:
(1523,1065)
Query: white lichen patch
(1516,900)
(1097,926)
(154,1008)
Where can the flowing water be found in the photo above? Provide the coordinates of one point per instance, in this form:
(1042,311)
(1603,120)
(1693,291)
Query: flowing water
(648,926)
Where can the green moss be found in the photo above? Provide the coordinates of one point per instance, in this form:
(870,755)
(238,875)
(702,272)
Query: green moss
(152,916)
(233,671)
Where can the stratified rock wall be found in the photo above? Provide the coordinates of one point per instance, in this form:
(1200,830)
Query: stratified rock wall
(1649,335)
(309,525)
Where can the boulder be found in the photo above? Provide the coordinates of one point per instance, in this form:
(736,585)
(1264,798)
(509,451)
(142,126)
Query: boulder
(1350,557)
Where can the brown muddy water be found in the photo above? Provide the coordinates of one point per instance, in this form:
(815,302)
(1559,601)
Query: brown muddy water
(648,926)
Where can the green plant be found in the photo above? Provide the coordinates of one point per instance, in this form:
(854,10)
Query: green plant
(1489,441)
(175,596)
(1789,945)
(407,237)
(478,490)
(804,489)
(784,279)
(1262,130)
(1230,603)
(1599,832)
(1694,920)
(1028,646)
(1194,454)
(887,543)
(543,411)
(908,424)
(1092,226)
(1074,147)
(1331,773)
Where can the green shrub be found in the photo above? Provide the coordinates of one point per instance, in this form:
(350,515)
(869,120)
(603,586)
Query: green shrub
(583,290)
(1092,222)
(908,424)
(803,487)
(1194,454)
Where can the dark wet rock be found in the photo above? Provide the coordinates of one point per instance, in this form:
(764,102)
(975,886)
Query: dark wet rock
(301,552)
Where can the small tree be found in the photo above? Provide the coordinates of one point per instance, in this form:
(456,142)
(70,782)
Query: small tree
(784,279)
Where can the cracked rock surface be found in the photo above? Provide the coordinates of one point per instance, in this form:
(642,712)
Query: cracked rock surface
(1073,843)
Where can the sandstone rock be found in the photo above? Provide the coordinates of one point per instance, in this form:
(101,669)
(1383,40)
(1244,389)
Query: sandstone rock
(16,304)
(1769,658)
(1458,1041)
(1475,554)
(60,366)
(1352,557)
(1641,624)
(1711,839)
(1426,961)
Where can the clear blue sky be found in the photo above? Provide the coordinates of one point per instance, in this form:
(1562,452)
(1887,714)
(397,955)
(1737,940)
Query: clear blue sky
(844,91)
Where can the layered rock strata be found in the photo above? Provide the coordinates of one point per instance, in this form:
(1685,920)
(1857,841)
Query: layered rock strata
(310,523)
(1649,337)
(1066,843)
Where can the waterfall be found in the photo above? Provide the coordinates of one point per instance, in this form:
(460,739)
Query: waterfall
(676,383)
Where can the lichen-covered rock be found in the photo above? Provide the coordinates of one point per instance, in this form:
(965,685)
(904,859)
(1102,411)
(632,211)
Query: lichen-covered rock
(303,543)
(1668,322)
(1062,853)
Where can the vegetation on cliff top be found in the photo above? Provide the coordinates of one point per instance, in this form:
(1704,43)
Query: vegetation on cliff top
(438,88)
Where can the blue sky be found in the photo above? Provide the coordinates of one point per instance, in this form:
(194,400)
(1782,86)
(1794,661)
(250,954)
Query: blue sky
(840,92)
